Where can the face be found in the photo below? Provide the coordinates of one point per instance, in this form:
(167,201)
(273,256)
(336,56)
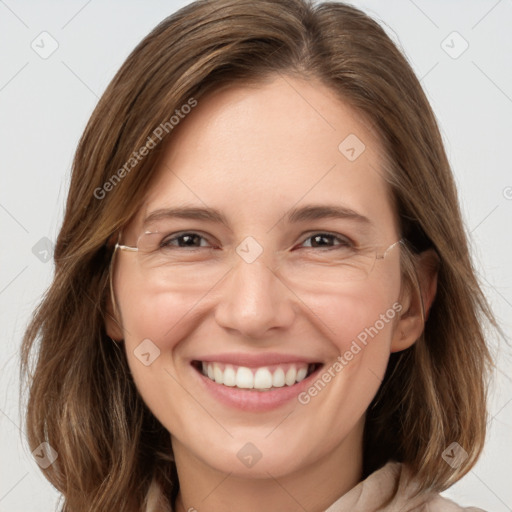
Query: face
(263,296)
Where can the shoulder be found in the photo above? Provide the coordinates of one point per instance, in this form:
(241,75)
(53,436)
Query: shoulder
(438,503)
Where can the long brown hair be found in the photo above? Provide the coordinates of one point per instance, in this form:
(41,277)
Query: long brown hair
(82,399)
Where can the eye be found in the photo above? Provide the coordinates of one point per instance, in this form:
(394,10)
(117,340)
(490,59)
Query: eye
(195,240)
(319,240)
(183,240)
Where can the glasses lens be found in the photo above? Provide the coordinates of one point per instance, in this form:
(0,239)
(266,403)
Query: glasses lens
(186,261)
(179,266)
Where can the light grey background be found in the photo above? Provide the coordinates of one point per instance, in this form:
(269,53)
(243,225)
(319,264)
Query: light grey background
(45,104)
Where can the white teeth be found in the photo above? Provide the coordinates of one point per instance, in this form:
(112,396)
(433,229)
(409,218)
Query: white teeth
(301,374)
(262,379)
(218,374)
(244,378)
(291,375)
(278,378)
(229,376)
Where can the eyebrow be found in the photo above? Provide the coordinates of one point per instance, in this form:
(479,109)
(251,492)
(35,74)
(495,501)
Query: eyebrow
(316,212)
(294,216)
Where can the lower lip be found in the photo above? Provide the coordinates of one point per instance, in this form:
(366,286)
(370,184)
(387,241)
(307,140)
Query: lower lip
(252,400)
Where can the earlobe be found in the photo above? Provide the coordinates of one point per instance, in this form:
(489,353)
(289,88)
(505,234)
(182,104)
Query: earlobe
(112,325)
(417,303)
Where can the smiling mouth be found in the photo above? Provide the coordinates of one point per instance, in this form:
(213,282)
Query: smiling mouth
(263,378)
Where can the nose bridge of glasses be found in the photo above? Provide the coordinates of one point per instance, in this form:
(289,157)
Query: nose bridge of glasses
(253,254)
(260,268)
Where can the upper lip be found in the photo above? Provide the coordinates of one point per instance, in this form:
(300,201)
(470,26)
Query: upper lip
(255,360)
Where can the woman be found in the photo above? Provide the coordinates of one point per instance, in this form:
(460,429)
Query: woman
(263,296)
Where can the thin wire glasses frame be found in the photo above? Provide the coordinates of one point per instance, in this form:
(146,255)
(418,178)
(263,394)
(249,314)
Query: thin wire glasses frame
(128,248)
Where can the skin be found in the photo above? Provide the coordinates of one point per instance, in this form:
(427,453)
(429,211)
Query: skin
(254,153)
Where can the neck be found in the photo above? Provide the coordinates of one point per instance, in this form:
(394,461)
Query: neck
(313,487)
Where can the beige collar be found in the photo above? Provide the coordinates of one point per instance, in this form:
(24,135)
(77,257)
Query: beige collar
(391,489)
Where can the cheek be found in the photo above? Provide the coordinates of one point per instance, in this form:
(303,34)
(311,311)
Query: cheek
(357,316)
(360,325)
(154,323)
(161,315)
(360,328)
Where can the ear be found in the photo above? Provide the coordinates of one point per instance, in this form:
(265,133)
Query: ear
(113,324)
(416,306)
(112,318)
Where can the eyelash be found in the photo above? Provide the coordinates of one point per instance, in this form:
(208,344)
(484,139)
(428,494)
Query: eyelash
(345,241)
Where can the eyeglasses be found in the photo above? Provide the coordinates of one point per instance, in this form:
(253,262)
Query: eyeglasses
(165,258)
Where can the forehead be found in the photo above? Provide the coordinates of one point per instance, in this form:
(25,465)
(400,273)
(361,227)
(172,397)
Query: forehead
(255,152)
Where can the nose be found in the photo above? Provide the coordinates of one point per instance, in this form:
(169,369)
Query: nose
(253,300)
